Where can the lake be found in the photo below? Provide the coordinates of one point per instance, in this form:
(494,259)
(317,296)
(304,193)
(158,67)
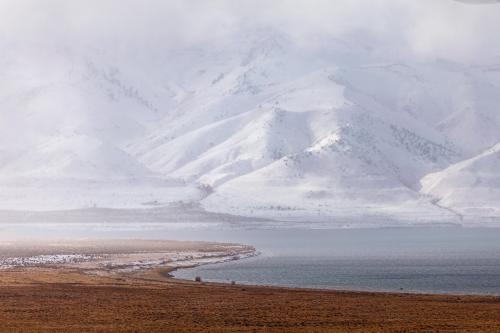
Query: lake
(434,260)
(428,260)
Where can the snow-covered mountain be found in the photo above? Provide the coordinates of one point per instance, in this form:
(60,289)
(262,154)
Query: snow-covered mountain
(258,126)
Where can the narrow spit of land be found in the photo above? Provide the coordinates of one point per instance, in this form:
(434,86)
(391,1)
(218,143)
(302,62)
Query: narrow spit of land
(117,292)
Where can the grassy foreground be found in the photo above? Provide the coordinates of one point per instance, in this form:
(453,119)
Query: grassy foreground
(66,300)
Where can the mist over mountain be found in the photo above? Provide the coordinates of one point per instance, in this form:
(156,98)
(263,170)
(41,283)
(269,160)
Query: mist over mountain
(261,122)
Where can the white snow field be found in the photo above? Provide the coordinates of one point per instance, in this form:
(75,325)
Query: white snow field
(257,126)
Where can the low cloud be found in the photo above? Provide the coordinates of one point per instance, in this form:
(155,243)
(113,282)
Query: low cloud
(423,28)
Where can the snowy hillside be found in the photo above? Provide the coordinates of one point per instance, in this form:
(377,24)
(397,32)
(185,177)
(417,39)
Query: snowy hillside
(258,126)
(470,187)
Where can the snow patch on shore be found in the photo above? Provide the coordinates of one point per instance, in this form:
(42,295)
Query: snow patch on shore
(128,262)
(56,259)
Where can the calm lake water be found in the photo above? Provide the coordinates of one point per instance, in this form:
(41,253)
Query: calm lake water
(431,260)
(441,260)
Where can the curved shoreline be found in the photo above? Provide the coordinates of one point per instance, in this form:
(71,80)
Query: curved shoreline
(81,298)
(168,274)
(352,289)
(66,300)
(122,256)
(108,258)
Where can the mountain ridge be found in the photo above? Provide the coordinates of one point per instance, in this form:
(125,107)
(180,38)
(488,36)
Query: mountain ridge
(334,133)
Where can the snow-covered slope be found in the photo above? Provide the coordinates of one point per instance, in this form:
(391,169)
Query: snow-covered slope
(63,127)
(258,126)
(470,187)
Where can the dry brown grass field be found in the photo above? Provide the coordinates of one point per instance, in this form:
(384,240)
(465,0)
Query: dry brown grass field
(66,300)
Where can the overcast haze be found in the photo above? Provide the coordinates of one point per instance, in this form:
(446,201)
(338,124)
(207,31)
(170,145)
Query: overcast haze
(425,28)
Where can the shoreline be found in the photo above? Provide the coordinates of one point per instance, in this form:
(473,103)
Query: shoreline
(59,299)
(168,275)
(109,254)
(97,262)
(78,297)
(306,288)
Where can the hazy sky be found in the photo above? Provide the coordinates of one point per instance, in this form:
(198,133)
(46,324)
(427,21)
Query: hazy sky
(426,28)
